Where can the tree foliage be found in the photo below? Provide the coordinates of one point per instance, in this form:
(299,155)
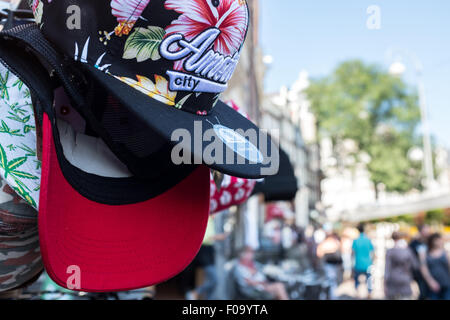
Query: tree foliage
(379,112)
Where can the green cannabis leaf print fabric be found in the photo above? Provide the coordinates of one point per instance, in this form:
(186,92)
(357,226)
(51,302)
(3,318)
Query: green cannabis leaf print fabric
(19,164)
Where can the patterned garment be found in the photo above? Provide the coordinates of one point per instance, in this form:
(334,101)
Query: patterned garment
(20,258)
(19,164)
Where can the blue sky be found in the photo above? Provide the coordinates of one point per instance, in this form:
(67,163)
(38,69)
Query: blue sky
(316,35)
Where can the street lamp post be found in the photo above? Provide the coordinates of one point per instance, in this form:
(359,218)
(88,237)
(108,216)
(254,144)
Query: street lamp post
(398,69)
(428,151)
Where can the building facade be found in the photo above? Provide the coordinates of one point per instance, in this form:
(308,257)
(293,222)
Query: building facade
(289,112)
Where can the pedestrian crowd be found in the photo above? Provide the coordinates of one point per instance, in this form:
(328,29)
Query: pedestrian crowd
(414,267)
(423,261)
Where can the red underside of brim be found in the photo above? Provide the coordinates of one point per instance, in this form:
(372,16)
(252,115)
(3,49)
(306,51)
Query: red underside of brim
(117,248)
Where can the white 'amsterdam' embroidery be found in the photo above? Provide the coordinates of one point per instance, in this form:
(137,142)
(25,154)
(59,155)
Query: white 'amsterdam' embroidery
(201,60)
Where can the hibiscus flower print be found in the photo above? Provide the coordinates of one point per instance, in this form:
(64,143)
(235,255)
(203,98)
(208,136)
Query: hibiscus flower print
(127,13)
(229,16)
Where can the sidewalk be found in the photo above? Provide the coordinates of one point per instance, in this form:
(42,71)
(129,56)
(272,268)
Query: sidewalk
(346,291)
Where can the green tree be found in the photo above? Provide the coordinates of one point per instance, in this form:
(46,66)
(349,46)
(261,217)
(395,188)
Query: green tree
(379,112)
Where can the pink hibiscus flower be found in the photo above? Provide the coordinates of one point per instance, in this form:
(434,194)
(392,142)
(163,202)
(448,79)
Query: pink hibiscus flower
(127,13)
(230,17)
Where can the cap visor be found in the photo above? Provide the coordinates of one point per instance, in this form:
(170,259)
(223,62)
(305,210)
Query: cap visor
(117,248)
(165,119)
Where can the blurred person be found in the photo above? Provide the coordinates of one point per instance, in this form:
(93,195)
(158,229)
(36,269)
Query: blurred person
(311,247)
(438,263)
(419,247)
(299,250)
(346,246)
(253,283)
(329,251)
(206,260)
(20,256)
(288,234)
(363,253)
(399,265)
(273,238)
(276,233)
(319,235)
(289,238)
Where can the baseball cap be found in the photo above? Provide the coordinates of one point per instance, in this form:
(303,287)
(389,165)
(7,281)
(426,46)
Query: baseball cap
(102,228)
(167,62)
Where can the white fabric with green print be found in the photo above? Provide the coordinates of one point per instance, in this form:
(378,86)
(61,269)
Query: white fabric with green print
(19,164)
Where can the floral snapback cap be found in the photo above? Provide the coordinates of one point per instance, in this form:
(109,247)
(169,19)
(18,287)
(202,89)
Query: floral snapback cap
(167,62)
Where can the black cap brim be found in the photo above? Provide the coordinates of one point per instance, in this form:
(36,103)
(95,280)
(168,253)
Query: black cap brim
(165,120)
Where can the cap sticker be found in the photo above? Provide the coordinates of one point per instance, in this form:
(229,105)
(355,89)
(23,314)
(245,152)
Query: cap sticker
(239,144)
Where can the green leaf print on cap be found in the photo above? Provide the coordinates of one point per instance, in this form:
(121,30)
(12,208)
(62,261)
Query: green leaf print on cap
(143,44)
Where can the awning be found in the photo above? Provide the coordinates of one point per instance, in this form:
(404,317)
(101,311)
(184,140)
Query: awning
(282,186)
